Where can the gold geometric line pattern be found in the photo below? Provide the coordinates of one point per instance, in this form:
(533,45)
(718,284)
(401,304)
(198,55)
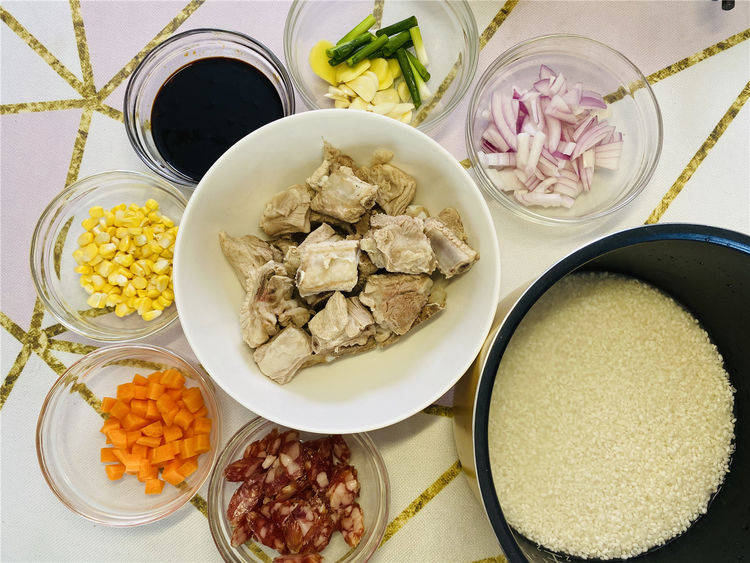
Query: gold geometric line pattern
(31,341)
(496,559)
(71,347)
(111,112)
(439,410)
(83,48)
(42,51)
(699,155)
(168,29)
(419,503)
(78,146)
(52,105)
(486,35)
(57,251)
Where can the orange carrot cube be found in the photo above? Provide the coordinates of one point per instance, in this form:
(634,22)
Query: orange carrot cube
(139,380)
(115,471)
(107,455)
(188,467)
(119,409)
(139,407)
(141,392)
(202,426)
(126,391)
(153,486)
(172,379)
(109,424)
(176,394)
(149,441)
(165,403)
(133,422)
(163,453)
(169,416)
(172,433)
(156,376)
(171,473)
(203,411)
(107,403)
(132,437)
(193,399)
(155,429)
(140,451)
(154,390)
(183,419)
(119,438)
(202,443)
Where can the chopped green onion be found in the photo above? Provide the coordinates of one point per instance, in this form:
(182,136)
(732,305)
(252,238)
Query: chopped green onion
(398,27)
(418,66)
(416,37)
(359,29)
(424,91)
(341,52)
(365,51)
(411,84)
(396,42)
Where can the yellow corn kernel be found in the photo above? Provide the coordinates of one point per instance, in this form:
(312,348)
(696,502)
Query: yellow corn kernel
(167,221)
(131,302)
(97,300)
(121,232)
(132,231)
(165,241)
(156,305)
(134,207)
(109,219)
(84,280)
(140,239)
(123,259)
(161,266)
(158,228)
(151,315)
(125,272)
(101,238)
(147,265)
(139,282)
(141,293)
(162,301)
(152,293)
(89,288)
(96,211)
(89,223)
(116,278)
(108,288)
(89,252)
(161,283)
(129,290)
(145,251)
(154,217)
(152,204)
(168,253)
(124,244)
(79,257)
(120,207)
(112,231)
(144,306)
(122,310)
(97,281)
(107,250)
(85,238)
(104,268)
(97,259)
(155,247)
(113,299)
(84,269)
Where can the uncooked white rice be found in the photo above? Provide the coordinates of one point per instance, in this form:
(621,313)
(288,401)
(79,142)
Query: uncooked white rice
(611,422)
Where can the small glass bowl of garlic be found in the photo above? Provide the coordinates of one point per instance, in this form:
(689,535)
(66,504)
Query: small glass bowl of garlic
(101,255)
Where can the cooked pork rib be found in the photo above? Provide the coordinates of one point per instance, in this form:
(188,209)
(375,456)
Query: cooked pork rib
(281,357)
(269,301)
(399,244)
(396,188)
(453,255)
(341,194)
(343,322)
(247,254)
(328,266)
(288,212)
(435,304)
(324,233)
(396,299)
(450,217)
(418,211)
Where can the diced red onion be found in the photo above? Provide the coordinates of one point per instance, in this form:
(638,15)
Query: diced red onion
(499,159)
(493,136)
(546,72)
(500,123)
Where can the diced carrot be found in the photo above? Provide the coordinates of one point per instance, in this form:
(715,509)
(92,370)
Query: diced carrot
(202,443)
(187,448)
(119,409)
(144,470)
(156,376)
(155,429)
(132,437)
(108,440)
(114,472)
(165,403)
(149,441)
(107,403)
(133,422)
(183,419)
(193,399)
(171,473)
(120,454)
(172,379)
(153,486)
(140,451)
(190,432)
(176,394)
(139,380)
(202,426)
(141,392)
(126,391)
(152,413)
(169,416)
(188,467)
(181,404)
(107,455)
(139,407)
(110,424)
(172,433)
(154,390)
(119,438)
(163,453)
(203,411)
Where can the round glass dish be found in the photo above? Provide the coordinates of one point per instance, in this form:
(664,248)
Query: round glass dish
(374,497)
(68,438)
(166,59)
(634,112)
(56,237)
(449,32)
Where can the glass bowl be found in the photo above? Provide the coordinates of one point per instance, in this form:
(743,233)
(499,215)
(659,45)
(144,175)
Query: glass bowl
(56,237)
(374,497)
(634,112)
(449,32)
(68,438)
(171,55)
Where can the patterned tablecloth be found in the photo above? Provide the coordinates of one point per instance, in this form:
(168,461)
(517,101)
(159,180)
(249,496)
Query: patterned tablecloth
(64,68)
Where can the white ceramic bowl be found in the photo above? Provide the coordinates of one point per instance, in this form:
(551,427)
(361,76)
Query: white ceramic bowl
(362,392)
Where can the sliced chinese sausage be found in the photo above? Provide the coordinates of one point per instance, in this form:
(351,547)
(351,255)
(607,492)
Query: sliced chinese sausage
(266,532)
(244,499)
(344,488)
(341,450)
(352,524)
(299,558)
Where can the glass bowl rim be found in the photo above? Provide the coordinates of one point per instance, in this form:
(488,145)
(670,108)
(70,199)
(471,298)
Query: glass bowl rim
(468,24)
(484,181)
(216,482)
(101,355)
(36,251)
(286,91)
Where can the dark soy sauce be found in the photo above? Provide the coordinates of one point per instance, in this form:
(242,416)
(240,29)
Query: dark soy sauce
(208,105)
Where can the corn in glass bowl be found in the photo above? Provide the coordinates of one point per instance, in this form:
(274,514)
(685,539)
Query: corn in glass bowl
(68,440)
(56,237)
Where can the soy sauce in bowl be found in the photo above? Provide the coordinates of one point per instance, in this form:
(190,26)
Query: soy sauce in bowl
(207,106)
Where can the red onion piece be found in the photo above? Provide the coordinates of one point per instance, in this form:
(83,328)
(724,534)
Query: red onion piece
(546,72)
(500,122)
(493,136)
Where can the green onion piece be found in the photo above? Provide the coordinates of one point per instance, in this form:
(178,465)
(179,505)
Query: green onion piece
(365,51)
(398,27)
(411,84)
(418,66)
(416,37)
(345,50)
(396,42)
(359,29)
(424,91)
